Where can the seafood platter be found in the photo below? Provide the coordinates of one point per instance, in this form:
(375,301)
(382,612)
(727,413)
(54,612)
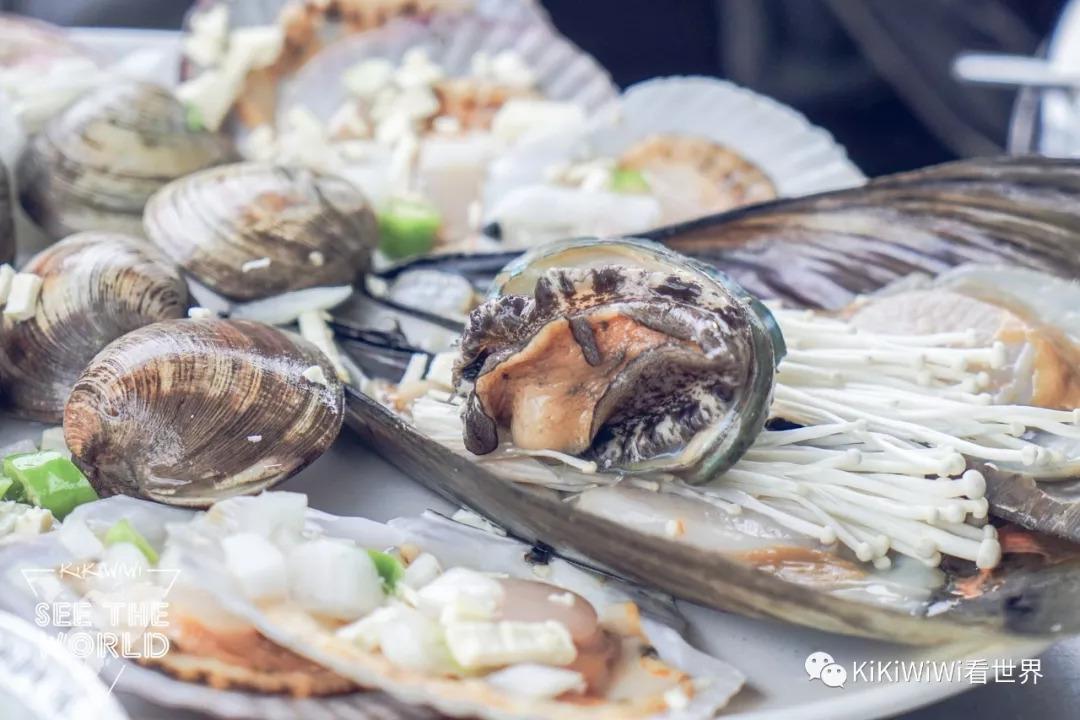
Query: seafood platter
(656,376)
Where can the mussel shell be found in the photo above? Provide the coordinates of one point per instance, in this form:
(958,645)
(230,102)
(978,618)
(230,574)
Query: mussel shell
(93,166)
(95,287)
(188,412)
(7,222)
(213,222)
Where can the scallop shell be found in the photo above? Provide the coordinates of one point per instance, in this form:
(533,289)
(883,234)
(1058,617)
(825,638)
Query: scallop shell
(95,288)
(186,412)
(252,230)
(94,166)
(563,71)
(796,156)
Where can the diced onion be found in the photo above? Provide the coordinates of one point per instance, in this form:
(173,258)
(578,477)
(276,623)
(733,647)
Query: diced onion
(257,565)
(333,579)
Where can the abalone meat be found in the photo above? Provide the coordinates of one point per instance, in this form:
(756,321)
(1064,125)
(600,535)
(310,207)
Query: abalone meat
(652,365)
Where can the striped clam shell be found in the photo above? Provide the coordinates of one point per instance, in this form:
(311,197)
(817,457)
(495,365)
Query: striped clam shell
(93,166)
(188,412)
(252,230)
(95,288)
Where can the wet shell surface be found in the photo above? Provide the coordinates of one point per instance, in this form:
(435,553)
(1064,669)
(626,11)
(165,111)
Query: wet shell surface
(621,353)
(187,412)
(252,230)
(95,287)
(94,166)
(7,223)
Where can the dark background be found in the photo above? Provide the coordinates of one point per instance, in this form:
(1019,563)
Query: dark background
(873,72)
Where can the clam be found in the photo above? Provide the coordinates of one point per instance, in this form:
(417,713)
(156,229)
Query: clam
(187,412)
(621,353)
(93,166)
(7,224)
(95,287)
(252,230)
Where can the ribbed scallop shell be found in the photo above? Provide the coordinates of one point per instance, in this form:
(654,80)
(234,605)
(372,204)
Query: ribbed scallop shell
(7,224)
(95,288)
(94,166)
(187,412)
(223,224)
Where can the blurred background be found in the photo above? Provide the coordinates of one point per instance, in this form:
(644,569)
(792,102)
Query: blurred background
(873,72)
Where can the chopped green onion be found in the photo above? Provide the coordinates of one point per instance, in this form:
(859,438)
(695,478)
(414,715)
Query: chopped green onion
(5,485)
(628,181)
(389,567)
(49,480)
(193,118)
(123,531)
(407,227)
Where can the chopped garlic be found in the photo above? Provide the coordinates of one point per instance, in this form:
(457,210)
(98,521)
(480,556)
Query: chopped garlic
(493,644)
(315,374)
(367,78)
(23,298)
(260,264)
(7,274)
(200,313)
(315,330)
(254,438)
(316,258)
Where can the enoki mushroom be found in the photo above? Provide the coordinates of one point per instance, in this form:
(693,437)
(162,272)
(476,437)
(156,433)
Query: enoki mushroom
(880,462)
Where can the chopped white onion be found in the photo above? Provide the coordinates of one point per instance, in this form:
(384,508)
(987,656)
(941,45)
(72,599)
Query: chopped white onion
(334,579)
(493,644)
(460,594)
(421,571)
(415,642)
(257,565)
